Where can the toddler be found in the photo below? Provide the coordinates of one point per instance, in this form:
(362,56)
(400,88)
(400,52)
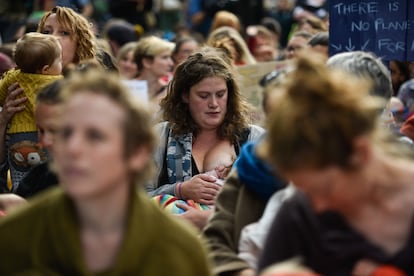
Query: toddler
(39,62)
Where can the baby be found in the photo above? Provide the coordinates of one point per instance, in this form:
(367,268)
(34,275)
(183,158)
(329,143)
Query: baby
(39,62)
(217,162)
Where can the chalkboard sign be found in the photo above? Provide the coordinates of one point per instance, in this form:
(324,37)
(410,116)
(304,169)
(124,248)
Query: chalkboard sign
(385,27)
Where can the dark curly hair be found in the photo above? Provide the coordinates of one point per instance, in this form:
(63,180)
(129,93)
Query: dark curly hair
(205,63)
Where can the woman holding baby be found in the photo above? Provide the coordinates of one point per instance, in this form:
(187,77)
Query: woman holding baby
(204,110)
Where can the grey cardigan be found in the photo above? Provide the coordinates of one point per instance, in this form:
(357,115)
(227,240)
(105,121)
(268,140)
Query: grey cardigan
(178,148)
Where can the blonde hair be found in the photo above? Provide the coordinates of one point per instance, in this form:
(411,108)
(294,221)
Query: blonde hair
(125,49)
(35,50)
(80,31)
(225,18)
(225,37)
(319,114)
(137,126)
(149,47)
(266,34)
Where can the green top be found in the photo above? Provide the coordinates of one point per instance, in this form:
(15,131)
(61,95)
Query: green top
(43,238)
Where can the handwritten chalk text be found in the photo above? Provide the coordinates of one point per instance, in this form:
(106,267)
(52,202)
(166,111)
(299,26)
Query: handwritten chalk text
(357,7)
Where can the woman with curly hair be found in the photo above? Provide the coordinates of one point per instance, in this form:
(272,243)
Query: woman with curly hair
(203,109)
(78,44)
(74,32)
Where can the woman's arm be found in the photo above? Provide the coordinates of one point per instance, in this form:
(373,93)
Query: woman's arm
(9,201)
(12,105)
(200,188)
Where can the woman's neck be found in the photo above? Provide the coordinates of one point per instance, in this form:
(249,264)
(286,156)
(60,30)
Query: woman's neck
(106,212)
(208,135)
(103,226)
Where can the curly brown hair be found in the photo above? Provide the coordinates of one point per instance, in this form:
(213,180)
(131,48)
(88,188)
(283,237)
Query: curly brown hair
(200,65)
(80,31)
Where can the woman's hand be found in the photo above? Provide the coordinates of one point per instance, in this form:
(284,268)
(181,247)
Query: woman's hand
(200,188)
(11,106)
(12,103)
(9,201)
(197,217)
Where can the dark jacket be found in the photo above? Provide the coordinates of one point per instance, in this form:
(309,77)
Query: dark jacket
(241,201)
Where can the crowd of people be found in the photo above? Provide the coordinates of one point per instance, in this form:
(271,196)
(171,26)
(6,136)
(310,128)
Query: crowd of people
(98,180)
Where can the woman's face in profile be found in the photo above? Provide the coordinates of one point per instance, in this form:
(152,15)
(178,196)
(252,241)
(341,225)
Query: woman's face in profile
(207,102)
(89,148)
(162,64)
(53,27)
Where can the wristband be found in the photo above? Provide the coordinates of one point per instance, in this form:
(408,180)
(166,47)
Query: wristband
(180,196)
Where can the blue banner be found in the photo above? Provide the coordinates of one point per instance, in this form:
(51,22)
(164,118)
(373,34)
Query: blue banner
(385,27)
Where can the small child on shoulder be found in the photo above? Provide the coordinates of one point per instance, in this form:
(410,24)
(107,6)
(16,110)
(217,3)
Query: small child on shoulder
(39,62)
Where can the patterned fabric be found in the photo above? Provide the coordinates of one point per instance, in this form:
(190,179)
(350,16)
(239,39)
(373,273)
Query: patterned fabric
(23,153)
(169,203)
(179,158)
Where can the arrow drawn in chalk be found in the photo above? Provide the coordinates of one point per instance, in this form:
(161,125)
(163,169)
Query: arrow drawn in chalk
(337,47)
(350,47)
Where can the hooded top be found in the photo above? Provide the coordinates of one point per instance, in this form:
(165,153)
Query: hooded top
(256,174)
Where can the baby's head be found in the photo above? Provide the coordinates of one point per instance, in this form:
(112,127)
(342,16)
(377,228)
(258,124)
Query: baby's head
(219,161)
(221,171)
(38,53)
